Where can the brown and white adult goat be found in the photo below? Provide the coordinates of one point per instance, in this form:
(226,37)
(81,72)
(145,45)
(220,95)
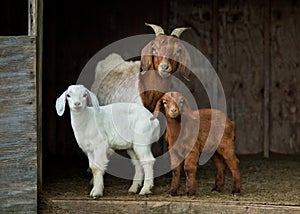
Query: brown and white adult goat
(185,148)
(142,82)
(161,58)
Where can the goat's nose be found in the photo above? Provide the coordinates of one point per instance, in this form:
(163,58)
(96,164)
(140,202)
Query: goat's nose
(173,110)
(77,104)
(164,66)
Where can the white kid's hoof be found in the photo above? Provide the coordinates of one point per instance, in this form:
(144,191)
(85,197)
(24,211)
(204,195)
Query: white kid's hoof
(133,189)
(145,192)
(96,193)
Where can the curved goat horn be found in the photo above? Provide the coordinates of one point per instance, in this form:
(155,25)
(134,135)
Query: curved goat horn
(157,29)
(178,31)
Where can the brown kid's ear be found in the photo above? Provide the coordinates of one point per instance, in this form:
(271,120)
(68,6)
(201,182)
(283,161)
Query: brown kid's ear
(186,109)
(156,109)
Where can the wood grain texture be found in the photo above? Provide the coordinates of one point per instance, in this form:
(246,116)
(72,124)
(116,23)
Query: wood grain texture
(199,16)
(267,65)
(18,124)
(240,69)
(238,58)
(257,62)
(143,206)
(32,17)
(285,76)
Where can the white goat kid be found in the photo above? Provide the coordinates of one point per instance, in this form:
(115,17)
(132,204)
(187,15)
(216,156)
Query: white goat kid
(116,126)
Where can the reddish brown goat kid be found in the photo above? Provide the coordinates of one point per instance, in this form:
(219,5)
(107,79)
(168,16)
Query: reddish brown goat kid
(182,127)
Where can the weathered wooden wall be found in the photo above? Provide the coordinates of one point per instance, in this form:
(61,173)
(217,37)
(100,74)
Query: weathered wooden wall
(233,35)
(18,125)
(285,77)
(241,69)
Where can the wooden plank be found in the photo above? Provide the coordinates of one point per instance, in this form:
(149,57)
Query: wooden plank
(18,128)
(32,17)
(199,16)
(215,34)
(165,14)
(241,67)
(267,79)
(215,46)
(285,76)
(144,206)
(39,78)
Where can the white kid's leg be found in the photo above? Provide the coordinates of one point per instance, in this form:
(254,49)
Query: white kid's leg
(98,167)
(148,180)
(138,176)
(97,190)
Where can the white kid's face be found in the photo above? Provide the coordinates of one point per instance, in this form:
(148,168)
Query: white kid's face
(77,98)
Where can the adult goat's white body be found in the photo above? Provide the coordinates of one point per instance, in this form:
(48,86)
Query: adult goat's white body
(116,126)
(117,80)
(145,81)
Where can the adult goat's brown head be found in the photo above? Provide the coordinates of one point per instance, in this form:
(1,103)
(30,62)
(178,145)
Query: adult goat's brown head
(166,54)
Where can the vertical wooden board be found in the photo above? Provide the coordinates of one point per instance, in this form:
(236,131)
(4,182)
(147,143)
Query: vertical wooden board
(285,76)
(199,16)
(241,69)
(18,128)
(32,17)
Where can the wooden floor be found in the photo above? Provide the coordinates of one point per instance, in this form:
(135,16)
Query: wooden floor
(269,186)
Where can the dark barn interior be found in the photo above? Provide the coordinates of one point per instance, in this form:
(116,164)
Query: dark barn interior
(254,48)
(73,33)
(251,44)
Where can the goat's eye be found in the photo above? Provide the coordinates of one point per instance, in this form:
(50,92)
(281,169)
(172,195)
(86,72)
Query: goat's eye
(85,95)
(68,95)
(154,51)
(181,102)
(179,50)
(165,102)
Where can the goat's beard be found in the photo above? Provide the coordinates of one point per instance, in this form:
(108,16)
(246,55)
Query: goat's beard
(77,109)
(174,115)
(164,74)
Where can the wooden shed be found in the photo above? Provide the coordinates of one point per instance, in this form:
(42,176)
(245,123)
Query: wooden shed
(20,104)
(45,44)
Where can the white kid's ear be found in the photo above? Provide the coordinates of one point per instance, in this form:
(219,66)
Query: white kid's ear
(94,100)
(60,104)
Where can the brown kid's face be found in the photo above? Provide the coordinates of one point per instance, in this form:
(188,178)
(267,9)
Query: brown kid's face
(173,104)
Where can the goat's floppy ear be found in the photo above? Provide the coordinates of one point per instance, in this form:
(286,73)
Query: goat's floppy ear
(156,109)
(94,100)
(186,109)
(60,104)
(184,65)
(146,57)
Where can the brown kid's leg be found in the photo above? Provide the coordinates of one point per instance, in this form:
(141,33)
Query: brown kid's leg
(190,168)
(175,183)
(221,172)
